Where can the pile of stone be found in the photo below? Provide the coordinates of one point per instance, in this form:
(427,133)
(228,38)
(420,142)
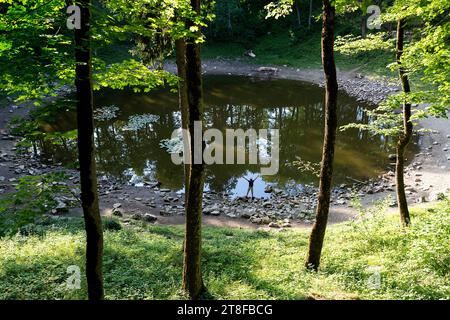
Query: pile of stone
(363,89)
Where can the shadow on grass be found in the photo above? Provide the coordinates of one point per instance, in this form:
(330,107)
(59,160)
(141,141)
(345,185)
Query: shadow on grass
(137,265)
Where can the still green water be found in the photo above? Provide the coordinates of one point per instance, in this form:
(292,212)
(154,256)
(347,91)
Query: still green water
(128,146)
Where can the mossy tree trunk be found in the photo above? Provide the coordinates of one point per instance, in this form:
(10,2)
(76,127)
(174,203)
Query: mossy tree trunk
(86,154)
(406,135)
(192,273)
(326,170)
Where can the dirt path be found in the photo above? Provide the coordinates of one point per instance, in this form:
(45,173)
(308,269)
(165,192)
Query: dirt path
(428,174)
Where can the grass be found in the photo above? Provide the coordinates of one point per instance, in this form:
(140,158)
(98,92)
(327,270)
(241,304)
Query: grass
(145,262)
(304,53)
(277,48)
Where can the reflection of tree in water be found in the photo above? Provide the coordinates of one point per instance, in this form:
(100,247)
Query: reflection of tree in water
(222,178)
(137,147)
(294,108)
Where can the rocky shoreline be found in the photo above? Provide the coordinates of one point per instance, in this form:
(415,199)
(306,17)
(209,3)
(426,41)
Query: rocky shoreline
(154,204)
(357,85)
(367,90)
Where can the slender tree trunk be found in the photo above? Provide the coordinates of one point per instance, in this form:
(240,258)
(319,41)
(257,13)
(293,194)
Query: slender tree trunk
(405,137)
(363,18)
(180,48)
(310,13)
(192,274)
(326,170)
(363,25)
(230,25)
(297,7)
(88,178)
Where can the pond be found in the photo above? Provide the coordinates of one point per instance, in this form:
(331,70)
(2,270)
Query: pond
(129,145)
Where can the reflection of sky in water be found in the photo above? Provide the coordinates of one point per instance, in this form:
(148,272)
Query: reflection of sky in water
(242,186)
(138,180)
(175,145)
(263,149)
(239,191)
(293,107)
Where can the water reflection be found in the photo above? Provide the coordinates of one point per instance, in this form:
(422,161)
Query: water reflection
(295,108)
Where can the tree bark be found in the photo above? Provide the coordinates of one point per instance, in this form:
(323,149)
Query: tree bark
(180,48)
(364,25)
(192,274)
(230,25)
(310,13)
(363,18)
(405,137)
(326,170)
(86,150)
(297,7)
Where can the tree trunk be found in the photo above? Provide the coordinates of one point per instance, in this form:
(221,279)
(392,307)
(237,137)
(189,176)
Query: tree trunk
(310,13)
(364,25)
(180,48)
(230,25)
(88,178)
(326,170)
(405,137)
(192,275)
(297,7)
(363,7)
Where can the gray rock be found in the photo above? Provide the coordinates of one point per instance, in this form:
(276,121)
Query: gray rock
(215,213)
(246,214)
(117,205)
(265,220)
(207,210)
(421,199)
(267,70)
(256,220)
(267,204)
(149,217)
(274,225)
(117,212)
(136,216)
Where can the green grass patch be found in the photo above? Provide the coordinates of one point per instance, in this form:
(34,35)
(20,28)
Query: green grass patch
(145,262)
(286,48)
